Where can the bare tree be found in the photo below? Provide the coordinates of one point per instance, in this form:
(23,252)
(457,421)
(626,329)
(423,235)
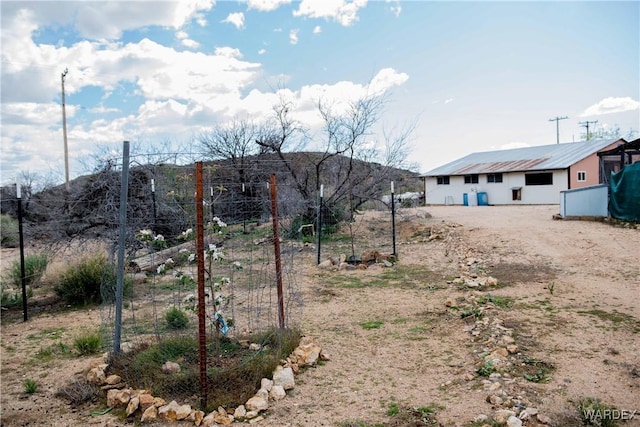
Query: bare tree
(234,141)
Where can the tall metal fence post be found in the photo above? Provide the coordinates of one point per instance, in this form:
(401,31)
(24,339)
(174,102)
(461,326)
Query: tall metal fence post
(124,190)
(393,219)
(23,278)
(319,227)
(202,336)
(153,201)
(276,246)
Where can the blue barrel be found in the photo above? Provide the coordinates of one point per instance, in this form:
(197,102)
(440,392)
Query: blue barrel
(483,199)
(465,199)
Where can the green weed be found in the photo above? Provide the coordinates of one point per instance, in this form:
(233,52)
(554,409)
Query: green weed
(30,386)
(176,318)
(87,344)
(486,369)
(371,324)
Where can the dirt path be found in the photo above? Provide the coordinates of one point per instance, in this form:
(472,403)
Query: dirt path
(397,337)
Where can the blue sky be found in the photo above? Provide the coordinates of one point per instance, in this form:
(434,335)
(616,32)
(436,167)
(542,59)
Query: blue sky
(472,76)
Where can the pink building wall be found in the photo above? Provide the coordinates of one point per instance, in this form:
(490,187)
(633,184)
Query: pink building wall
(590,165)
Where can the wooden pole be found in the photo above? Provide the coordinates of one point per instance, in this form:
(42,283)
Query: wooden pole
(202,336)
(276,246)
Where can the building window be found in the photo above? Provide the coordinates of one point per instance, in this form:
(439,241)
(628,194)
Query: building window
(443,180)
(582,176)
(471,179)
(516,193)
(494,177)
(542,178)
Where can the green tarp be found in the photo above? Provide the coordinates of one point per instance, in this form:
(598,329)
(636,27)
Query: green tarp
(624,200)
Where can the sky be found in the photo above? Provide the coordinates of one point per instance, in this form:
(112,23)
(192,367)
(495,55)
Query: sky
(470,76)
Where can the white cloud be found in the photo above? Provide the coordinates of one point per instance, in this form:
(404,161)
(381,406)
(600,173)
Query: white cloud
(341,11)
(181,90)
(386,79)
(448,100)
(266,5)
(395,7)
(103,110)
(228,52)
(611,105)
(293,36)
(108,19)
(237,19)
(191,44)
(317,29)
(186,41)
(262,51)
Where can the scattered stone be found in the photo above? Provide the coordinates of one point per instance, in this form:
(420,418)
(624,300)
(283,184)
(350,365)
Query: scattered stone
(158,402)
(133,405)
(277,393)
(512,349)
(221,417)
(96,374)
(195,417)
(240,413)
(502,415)
(116,398)
(174,412)
(494,400)
(113,379)
(481,418)
(251,414)
(514,421)
(256,419)
(326,264)
(255,347)
(284,377)
(259,402)
(266,384)
(150,414)
(495,386)
(145,401)
(307,354)
(346,266)
(524,415)
(170,368)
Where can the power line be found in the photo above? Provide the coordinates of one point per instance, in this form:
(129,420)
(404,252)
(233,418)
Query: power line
(585,124)
(557,120)
(64,132)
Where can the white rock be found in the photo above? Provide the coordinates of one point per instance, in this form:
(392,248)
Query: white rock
(502,415)
(133,405)
(240,413)
(277,393)
(150,414)
(259,402)
(266,384)
(170,368)
(284,377)
(514,421)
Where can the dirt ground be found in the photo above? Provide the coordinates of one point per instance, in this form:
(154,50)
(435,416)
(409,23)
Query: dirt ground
(567,301)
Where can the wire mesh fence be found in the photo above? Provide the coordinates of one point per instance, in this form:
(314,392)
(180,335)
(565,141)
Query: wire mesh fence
(159,320)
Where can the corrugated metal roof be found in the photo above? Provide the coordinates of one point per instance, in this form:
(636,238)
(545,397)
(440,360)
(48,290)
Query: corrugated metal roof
(542,157)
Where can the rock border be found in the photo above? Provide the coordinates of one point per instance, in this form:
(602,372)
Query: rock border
(151,408)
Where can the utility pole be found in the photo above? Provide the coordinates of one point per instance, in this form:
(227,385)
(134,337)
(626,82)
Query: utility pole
(557,120)
(64,132)
(585,124)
